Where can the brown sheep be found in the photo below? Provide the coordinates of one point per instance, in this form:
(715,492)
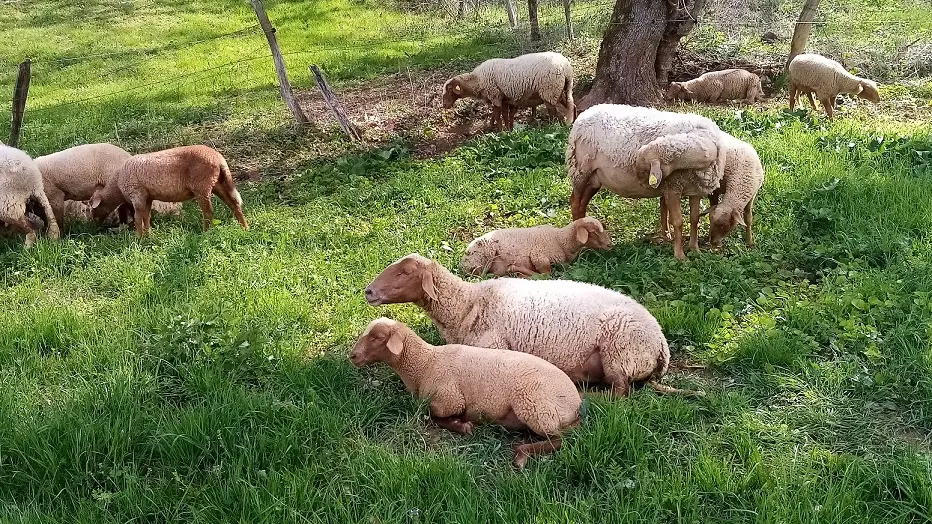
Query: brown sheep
(466,385)
(172,175)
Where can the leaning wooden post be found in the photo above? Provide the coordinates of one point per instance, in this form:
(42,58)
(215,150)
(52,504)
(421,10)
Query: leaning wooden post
(20,92)
(284,86)
(335,106)
(802,29)
(512,15)
(569,19)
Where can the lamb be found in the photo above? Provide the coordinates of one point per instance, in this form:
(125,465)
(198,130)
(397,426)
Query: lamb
(811,73)
(528,251)
(172,175)
(466,385)
(603,151)
(717,86)
(591,333)
(21,186)
(670,153)
(525,81)
(77,172)
(744,176)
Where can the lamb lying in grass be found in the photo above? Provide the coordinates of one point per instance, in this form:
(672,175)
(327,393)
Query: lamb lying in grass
(591,333)
(466,385)
(532,250)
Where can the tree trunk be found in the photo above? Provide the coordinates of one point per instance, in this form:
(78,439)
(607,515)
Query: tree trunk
(569,19)
(803,29)
(532,19)
(638,49)
(512,15)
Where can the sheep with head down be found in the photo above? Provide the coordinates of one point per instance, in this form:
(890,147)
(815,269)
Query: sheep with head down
(466,385)
(811,73)
(591,333)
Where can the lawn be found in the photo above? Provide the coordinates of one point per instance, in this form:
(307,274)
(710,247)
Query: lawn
(202,376)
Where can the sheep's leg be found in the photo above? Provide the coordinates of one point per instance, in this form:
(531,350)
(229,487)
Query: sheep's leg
(230,197)
(621,386)
(793,94)
(525,451)
(579,201)
(811,100)
(749,224)
(663,233)
(24,225)
(142,217)
(57,202)
(542,264)
(827,105)
(524,271)
(694,203)
(207,208)
(454,424)
(675,217)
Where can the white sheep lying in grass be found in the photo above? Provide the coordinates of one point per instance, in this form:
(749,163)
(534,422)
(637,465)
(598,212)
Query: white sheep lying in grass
(21,184)
(467,385)
(603,152)
(532,250)
(717,86)
(591,333)
(811,73)
(509,83)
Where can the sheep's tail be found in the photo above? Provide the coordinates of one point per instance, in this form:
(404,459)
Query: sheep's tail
(226,178)
(568,96)
(52,225)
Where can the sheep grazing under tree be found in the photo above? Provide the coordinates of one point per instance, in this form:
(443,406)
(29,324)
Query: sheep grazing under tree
(510,83)
(719,86)
(173,175)
(21,189)
(591,333)
(811,73)
(467,385)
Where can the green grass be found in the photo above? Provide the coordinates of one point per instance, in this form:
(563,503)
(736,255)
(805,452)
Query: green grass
(202,376)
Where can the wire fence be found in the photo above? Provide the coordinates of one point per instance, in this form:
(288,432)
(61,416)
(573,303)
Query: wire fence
(728,29)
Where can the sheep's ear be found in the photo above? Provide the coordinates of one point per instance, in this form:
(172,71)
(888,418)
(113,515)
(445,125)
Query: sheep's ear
(395,343)
(427,283)
(738,218)
(706,211)
(656,174)
(95,201)
(582,234)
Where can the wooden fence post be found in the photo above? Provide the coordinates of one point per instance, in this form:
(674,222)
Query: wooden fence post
(335,106)
(512,15)
(284,86)
(20,92)
(569,19)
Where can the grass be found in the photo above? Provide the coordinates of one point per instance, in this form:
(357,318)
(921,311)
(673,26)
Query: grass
(202,376)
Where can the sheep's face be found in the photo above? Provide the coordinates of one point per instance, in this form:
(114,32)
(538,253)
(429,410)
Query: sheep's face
(677,90)
(101,207)
(590,233)
(869,91)
(452,91)
(379,343)
(721,221)
(410,279)
(478,257)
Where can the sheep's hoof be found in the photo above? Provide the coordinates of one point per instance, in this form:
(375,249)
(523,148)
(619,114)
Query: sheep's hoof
(467,428)
(520,459)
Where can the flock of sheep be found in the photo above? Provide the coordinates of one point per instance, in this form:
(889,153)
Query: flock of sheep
(515,346)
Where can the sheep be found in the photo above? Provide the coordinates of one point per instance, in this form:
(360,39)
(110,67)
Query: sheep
(466,385)
(525,81)
(717,86)
(591,333)
(603,149)
(172,175)
(528,251)
(744,176)
(21,186)
(811,73)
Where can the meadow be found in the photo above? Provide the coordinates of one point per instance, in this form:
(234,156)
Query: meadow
(203,376)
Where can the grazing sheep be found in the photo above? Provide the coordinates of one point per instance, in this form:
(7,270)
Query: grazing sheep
(172,175)
(603,148)
(811,73)
(467,385)
(717,86)
(525,81)
(591,333)
(21,186)
(532,250)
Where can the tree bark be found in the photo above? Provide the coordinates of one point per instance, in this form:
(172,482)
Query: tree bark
(638,49)
(512,15)
(569,19)
(532,20)
(803,29)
